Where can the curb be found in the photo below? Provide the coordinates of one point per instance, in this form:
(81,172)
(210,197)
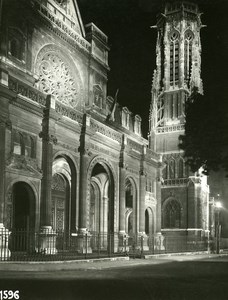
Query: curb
(54,265)
(151,256)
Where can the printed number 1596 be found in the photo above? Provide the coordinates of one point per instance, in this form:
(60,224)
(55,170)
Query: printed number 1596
(8,294)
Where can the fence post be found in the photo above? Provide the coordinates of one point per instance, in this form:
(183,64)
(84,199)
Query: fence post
(109,244)
(86,240)
(142,246)
(98,237)
(125,244)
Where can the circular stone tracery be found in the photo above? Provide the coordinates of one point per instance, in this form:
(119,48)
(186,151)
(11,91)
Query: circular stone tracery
(56,79)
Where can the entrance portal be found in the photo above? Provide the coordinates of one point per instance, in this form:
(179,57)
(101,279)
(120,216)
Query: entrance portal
(22,237)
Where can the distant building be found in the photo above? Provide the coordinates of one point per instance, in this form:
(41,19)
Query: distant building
(184,195)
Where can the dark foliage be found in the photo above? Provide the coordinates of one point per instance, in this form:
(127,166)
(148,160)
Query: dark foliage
(206,132)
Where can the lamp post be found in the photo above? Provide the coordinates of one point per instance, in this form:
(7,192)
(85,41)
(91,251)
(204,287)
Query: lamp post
(218,206)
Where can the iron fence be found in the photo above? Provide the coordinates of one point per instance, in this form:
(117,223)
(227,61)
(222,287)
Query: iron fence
(30,245)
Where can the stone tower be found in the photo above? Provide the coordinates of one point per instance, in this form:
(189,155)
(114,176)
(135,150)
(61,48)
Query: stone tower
(178,60)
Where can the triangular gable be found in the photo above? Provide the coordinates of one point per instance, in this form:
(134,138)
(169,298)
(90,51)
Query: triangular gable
(68,10)
(72,8)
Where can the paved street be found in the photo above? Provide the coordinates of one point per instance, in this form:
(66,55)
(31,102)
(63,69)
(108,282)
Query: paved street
(176,277)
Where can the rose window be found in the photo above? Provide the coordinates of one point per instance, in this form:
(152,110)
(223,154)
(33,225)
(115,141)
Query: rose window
(56,79)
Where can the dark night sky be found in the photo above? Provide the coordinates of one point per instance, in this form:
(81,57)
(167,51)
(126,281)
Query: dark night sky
(132,56)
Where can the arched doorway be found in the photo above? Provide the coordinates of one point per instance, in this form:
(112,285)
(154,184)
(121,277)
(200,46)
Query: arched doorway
(23,221)
(63,193)
(149,222)
(96,218)
(101,207)
(64,198)
(60,203)
(130,204)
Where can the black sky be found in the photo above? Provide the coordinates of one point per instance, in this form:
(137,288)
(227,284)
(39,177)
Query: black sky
(132,55)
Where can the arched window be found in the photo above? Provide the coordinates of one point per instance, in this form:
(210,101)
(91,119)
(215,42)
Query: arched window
(129,195)
(125,117)
(174,57)
(172,214)
(172,166)
(18,143)
(165,171)
(160,111)
(16,44)
(98,95)
(188,54)
(181,168)
(147,222)
(137,124)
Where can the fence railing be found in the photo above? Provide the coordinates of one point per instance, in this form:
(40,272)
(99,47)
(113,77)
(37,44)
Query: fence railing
(24,245)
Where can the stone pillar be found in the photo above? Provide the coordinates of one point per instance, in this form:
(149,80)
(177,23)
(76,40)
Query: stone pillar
(105,222)
(122,208)
(142,193)
(122,201)
(4,233)
(83,186)
(83,235)
(47,237)
(4,123)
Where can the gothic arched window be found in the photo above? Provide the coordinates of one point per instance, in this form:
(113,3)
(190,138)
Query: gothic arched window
(137,124)
(129,195)
(181,168)
(160,111)
(147,222)
(172,166)
(165,171)
(174,57)
(125,117)
(188,39)
(172,214)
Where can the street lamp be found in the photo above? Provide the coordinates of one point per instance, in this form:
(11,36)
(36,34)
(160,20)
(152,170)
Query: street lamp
(218,206)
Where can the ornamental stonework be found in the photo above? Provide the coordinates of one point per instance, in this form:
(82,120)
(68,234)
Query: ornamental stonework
(59,78)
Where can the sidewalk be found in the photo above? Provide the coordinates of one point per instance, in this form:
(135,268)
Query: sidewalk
(101,263)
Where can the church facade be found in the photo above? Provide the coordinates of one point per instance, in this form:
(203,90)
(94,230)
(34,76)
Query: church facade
(184,195)
(72,159)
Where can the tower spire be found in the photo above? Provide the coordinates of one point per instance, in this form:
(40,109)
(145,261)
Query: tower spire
(178,69)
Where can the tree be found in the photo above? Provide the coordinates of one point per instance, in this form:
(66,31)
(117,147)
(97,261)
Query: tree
(205,142)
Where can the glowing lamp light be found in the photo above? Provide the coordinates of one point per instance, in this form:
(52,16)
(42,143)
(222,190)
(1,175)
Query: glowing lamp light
(218,204)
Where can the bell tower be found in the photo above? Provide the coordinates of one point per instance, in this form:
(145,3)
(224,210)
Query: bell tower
(177,74)
(178,70)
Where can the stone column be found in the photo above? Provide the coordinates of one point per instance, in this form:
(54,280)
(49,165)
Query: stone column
(122,200)
(142,193)
(83,234)
(47,237)
(83,187)
(122,175)
(5,95)
(105,221)
(4,232)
